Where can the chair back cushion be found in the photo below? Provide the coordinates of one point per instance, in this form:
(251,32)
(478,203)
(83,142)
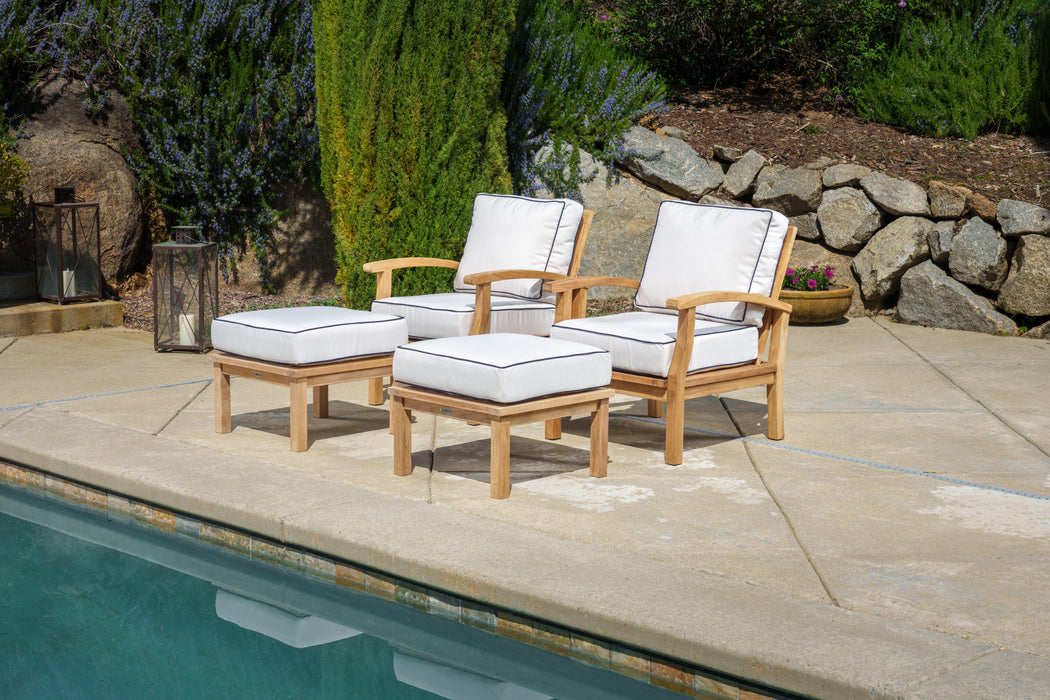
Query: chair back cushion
(707,248)
(519,233)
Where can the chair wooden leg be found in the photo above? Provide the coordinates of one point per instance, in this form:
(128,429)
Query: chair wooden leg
(321,401)
(297,409)
(499,460)
(401,427)
(775,408)
(600,440)
(222,401)
(656,408)
(675,435)
(375,391)
(552,429)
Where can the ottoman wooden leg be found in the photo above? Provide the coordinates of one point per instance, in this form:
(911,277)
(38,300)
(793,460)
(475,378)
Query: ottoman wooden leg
(552,429)
(499,460)
(222,401)
(375,391)
(321,401)
(600,439)
(401,427)
(656,408)
(298,415)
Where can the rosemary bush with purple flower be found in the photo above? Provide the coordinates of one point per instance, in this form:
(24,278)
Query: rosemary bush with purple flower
(813,279)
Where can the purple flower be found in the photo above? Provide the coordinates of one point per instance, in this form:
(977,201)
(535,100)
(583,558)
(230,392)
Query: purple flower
(790,272)
(811,283)
(902,3)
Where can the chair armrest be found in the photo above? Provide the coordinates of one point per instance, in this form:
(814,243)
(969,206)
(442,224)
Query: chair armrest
(574,283)
(384,270)
(491,276)
(688,301)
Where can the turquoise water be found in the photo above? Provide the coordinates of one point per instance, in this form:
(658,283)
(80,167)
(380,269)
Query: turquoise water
(95,608)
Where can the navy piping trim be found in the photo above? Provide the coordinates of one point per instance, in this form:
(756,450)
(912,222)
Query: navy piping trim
(653,342)
(475,398)
(493,309)
(309,364)
(411,348)
(311,328)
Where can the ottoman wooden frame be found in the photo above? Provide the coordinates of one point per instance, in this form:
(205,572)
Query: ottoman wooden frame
(298,378)
(500,416)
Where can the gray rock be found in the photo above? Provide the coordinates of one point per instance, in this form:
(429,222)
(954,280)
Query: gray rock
(847,219)
(820,163)
(1040,332)
(670,164)
(1027,288)
(791,191)
(1021,218)
(940,240)
(675,133)
(845,174)
(721,201)
(740,177)
(979,256)
(896,196)
(727,154)
(929,297)
(946,202)
(808,230)
(899,246)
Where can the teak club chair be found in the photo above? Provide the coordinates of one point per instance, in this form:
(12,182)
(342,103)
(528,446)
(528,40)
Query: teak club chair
(513,246)
(707,313)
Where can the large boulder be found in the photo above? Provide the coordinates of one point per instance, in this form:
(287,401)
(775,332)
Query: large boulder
(896,196)
(1027,288)
(946,201)
(929,297)
(1021,218)
(67,148)
(670,164)
(791,191)
(940,240)
(979,256)
(880,265)
(806,226)
(740,177)
(847,219)
(845,174)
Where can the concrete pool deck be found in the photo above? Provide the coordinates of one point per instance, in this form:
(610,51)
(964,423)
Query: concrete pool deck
(896,544)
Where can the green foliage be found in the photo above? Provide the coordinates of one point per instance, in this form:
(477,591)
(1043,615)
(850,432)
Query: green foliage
(713,42)
(811,279)
(568,87)
(13,173)
(961,73)
(411,128)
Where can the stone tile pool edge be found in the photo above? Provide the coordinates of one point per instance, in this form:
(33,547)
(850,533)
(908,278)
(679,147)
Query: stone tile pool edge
(634,663)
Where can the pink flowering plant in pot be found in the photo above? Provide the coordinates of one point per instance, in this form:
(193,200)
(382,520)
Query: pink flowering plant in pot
(815,279)
(814,295)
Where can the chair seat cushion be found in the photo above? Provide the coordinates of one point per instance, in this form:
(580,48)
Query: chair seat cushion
(502,367)
(643,343)
(447,315)
(308,335)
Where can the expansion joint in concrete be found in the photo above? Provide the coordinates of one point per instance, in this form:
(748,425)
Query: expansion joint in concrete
(183,407)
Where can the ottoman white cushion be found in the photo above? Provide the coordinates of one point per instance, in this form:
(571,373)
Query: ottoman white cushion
(643,343)
(450,314)
(502,367)
(308,334)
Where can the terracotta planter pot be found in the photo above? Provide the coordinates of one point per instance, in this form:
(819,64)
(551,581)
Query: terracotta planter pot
(818,307)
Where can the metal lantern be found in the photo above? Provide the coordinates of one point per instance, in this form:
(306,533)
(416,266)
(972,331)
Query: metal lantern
(68,248)
(185,291)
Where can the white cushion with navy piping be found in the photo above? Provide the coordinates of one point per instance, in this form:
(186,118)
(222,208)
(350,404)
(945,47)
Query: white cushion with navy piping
(308,335)
(450,314)
(502,367)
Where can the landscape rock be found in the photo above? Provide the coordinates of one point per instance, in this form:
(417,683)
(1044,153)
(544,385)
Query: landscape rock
(727,154)
(929,297)
(940,241)
(899,246)
(946,202)
(896,196)
(1027,288)
(847,219)
(721,201)
(806,225)
(979,256)
(1040,332)
(981,206)
(791,191)
(845,174)
(670,164)
(739,179)
(1021,218)
(820,163)
(674,132)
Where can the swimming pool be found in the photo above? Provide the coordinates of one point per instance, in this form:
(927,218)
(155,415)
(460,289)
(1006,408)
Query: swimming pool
(92,606)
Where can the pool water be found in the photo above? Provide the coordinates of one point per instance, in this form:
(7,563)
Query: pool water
(96,608)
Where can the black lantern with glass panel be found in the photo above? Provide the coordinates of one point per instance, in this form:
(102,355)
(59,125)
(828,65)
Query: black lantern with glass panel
(185,291)
(68,248)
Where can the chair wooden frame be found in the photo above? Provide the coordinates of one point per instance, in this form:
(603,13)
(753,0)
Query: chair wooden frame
(767,370)
(482,281)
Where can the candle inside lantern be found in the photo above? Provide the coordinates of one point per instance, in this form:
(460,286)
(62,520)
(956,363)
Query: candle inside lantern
(187,329)
(69,283)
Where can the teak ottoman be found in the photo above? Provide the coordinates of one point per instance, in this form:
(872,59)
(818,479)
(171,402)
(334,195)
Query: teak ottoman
(301,348)
(500,379)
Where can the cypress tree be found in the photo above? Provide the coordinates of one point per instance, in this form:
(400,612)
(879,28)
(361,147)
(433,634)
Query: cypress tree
(411,128)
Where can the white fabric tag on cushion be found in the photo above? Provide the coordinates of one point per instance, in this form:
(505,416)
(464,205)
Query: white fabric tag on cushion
(706,248)
(519,233)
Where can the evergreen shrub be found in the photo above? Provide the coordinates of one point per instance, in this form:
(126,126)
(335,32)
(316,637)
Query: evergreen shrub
(411,129)
(566,88)
(971,69)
